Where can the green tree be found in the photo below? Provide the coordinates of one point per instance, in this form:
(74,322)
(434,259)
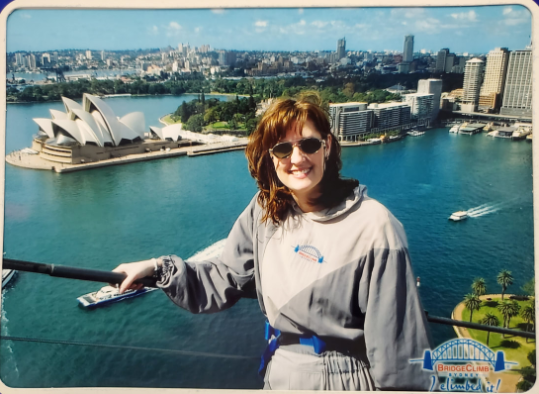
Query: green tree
(529,287)
(478,286)
(504,279)
(211,115)
(195,123)
(490,320)
(531,358)
(184,112)
(528,314)
(506,310)
(472,302)
(203,98)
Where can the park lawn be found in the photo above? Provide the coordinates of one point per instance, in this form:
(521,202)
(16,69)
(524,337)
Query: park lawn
(224,126)
(515,348)
(171,119)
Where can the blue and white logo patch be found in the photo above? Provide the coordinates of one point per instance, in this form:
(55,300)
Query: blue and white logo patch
(310,253)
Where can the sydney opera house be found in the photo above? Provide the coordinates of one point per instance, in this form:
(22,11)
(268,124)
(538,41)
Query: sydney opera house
(92,132)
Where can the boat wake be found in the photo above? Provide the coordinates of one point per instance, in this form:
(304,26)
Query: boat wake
(211,251)
(487,208)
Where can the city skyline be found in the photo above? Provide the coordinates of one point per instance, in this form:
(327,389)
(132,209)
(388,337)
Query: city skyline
(376,29)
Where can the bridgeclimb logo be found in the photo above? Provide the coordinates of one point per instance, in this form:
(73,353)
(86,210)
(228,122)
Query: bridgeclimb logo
(464,365)
(309,252)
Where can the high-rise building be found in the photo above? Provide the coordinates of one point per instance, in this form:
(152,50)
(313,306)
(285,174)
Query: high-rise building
(408,52)
(31,61)
(449,62)
(45,59)
(89,55)
(473,75)
(495,71)
(341,48)
(102,56)
(350,121)
(440,59)
(227,58)
(517,95)
(390,115)
(19,59)
(434,87)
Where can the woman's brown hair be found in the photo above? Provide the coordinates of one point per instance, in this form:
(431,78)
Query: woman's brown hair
(275,198)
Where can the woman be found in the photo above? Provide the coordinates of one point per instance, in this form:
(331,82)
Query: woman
(329,266)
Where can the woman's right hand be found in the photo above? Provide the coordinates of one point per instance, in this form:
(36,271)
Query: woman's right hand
(134,271)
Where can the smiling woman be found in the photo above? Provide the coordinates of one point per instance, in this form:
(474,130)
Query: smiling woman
(329,266)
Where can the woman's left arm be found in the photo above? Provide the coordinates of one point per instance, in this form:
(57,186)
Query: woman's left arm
(396,328)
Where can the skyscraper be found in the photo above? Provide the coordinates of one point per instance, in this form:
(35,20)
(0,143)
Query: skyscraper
(517,95)
(341,48)
(440,59)
(408,52)
(434,87)
(495,71)
(89,54)
(473,74)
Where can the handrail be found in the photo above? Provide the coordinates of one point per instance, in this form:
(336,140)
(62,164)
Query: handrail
(117,277)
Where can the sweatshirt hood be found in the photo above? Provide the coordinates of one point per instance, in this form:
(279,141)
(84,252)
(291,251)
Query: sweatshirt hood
(331,213)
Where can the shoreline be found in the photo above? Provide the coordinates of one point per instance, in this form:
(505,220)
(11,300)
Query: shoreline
(509,380)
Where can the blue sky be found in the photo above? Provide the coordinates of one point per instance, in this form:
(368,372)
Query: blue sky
(461,29)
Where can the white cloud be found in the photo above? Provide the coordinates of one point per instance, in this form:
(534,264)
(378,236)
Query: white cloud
(469,16)
(409,13)
(173,29)
(218,11)
(153,30)
(302,22)
(507,10)
(300,11)
(261,23)
(431,25)
(198,29)
(516,17)
(174,26)
(319,24)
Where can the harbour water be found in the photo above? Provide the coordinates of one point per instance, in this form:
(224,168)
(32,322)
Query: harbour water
(100,218)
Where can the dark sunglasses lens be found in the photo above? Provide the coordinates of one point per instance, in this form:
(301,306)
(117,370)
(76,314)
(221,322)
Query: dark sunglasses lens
(311,145)
(282,150)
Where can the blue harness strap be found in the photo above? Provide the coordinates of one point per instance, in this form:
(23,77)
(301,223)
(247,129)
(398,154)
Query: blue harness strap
(272,335)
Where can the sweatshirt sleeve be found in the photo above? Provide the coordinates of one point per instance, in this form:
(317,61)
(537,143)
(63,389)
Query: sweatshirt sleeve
(396,329)
(216,284)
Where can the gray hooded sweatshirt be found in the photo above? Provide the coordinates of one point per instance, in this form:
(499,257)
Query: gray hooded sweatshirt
(342,273)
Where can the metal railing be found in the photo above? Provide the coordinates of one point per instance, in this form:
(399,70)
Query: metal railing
(116,277)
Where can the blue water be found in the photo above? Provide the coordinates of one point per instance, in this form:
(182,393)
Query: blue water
(100,218)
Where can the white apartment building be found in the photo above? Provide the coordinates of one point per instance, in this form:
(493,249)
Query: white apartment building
(390,115)
(434,87)
(473,74)
(350,121)
(420,105)
(517,95)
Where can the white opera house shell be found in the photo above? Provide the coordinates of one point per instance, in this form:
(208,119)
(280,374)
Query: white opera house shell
(92,132)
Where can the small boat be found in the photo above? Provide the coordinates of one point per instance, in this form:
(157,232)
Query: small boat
(374,140)
(108,295)
(455,129)
(7,275)
(521,133)
(457,216)
(415,133)
(529,138)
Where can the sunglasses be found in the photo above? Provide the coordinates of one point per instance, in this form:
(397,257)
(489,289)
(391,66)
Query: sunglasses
(307,145)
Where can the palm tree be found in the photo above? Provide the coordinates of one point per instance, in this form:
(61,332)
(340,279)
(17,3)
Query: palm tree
(490,320)
(506,309)
(505,279)
(472,302)
(528,314)
(515,309)
(479,287)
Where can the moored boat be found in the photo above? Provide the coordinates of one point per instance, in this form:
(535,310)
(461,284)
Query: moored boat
(7,275)
(415,133)
(108,295)
(455,129)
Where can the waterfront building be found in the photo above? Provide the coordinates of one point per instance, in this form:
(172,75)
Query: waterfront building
(517,95)
(408,52)
(45,59)
(350,121)
(31,61)
(487,102)
(389,116)
(341,48)
(91,132)
(420,105)
(473,74)
(495,72)
(431,86)
(440,59)
(19,59)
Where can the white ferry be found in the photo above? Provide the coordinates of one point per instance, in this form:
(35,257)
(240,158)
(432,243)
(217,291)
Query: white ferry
(415,133)
(457,216)
(374,141)
(108,295)
(6,276)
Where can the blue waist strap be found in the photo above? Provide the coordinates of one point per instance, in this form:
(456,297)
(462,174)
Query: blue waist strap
(318,345)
